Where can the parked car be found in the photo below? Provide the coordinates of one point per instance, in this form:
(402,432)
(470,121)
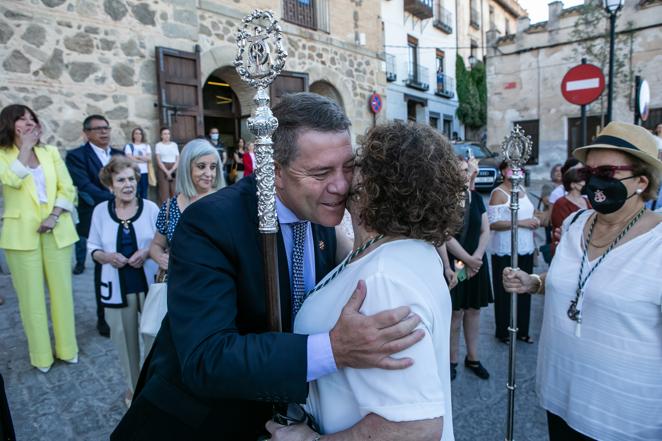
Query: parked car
(488,163)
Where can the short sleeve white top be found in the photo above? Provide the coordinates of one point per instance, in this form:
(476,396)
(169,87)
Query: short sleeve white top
(167,152)
(500,240)
(403,272)
(606,383)
(139,150)
(556,194)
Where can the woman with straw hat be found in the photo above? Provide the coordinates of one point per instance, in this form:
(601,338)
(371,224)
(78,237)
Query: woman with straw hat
(600,353)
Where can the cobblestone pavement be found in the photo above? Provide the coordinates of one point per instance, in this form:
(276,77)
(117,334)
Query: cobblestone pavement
(85,401)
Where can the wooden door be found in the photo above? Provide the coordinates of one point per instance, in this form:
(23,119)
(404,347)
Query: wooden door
(287,82)
(180,93)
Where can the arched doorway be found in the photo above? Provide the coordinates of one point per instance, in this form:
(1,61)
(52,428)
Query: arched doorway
(222,108)
(328,90)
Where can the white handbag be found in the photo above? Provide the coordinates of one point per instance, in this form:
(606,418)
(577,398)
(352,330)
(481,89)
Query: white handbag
(154,308)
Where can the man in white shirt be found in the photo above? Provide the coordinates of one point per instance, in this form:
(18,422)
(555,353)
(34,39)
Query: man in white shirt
(84,164)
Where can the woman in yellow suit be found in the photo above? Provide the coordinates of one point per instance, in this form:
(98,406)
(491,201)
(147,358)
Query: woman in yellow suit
(38,234)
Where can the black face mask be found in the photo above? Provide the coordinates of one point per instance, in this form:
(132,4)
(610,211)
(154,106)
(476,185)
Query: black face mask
(607,194)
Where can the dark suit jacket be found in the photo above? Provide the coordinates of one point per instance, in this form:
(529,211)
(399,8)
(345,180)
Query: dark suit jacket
(84,166)
(213,364)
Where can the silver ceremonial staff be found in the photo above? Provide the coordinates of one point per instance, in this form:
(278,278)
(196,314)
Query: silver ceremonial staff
(516,148)
(260,58)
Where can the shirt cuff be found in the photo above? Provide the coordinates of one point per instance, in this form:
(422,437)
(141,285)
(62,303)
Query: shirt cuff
(320,357)
(19,169)
(64,204)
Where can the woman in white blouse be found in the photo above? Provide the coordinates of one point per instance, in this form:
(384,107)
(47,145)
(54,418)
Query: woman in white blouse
(139,151)
(167,160)
(405,199)
(498,213)
(599,372)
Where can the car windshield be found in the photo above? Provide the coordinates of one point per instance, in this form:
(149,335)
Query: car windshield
(478,152)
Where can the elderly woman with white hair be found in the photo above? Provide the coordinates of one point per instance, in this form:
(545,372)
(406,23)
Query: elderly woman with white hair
(198,175)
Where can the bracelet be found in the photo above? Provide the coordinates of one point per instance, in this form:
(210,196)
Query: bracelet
(540,285)
(56,216)
(318,437)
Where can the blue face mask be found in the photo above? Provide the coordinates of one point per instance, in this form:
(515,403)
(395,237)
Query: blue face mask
(214,136)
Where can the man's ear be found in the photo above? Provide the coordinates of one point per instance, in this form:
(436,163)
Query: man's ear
(279,175)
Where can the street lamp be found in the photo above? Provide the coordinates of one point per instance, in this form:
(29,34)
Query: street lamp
(612,7)
(472,60)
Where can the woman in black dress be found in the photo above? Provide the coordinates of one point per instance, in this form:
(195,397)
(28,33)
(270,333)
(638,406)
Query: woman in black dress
(467,249)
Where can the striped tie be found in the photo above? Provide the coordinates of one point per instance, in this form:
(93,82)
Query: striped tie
(298,287)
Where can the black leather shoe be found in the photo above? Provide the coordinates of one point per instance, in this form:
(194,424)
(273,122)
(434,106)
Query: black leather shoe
(453,371)
(103,328)
(477,368)
(79,268)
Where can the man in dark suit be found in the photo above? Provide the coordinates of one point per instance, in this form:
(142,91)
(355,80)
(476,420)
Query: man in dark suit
(214,369)
(84,164)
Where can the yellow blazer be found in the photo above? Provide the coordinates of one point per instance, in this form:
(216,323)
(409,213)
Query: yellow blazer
(23,213)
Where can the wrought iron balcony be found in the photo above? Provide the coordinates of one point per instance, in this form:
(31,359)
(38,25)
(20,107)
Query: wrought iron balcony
(417,77)
(445,86)
(443,19)
(421,9)
(313,14)
(391,74)
(474,17)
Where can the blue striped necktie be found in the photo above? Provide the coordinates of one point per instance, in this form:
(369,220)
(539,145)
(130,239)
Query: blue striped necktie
(298,287)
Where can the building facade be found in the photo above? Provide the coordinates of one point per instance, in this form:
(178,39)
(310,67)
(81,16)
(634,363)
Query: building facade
(419,44)
(525,70)
(169,62)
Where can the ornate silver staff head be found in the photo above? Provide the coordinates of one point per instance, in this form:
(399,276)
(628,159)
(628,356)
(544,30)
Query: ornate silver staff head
(260,58)
(516,149)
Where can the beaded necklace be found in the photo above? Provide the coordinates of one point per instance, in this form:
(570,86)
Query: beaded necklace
(575,309)
(344,264)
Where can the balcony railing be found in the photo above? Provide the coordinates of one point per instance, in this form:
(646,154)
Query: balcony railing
(443,19)
(474,18)
(421,9)
(445,86)
(417,77)
(391,74)
(313,14)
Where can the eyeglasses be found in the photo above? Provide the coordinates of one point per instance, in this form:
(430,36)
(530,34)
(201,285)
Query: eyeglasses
(98,129)
(603,171)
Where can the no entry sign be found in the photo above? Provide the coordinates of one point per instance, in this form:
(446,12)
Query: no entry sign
(375,103)
(583,84)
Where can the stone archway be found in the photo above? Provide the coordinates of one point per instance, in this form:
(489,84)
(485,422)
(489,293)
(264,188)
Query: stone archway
(219,60)
(326,89)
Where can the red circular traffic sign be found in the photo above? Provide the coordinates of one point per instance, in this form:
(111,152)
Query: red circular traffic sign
(376,103)
(583,84)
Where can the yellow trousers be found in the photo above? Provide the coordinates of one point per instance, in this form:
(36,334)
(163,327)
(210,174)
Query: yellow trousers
(28,269)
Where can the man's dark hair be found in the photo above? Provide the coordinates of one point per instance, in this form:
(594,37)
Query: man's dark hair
(87,122)
(298,112)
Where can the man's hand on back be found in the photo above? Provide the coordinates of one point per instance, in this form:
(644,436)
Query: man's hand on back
(361,341)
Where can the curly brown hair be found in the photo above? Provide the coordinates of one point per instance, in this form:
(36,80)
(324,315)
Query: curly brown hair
(116,165)
(410,183)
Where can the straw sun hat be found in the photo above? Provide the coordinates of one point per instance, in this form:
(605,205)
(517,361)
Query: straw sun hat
(627,138)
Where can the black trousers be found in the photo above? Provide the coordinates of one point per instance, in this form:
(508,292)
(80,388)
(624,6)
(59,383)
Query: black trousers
(560,431)
(502,298)
(6,426)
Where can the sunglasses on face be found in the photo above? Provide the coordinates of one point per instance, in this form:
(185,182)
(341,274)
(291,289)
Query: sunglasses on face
(603,171)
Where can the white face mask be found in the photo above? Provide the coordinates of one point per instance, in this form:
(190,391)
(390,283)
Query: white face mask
(214,136)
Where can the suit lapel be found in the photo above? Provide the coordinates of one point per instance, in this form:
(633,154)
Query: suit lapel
(92,156)
(321,254)
(284,284)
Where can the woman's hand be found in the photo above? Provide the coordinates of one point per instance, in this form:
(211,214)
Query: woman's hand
(26,139)
(138,258)
(531,223)
(474,263)
(117,260)
(296,432)
(519,281)
(162,260)
(451,278)
(47,225)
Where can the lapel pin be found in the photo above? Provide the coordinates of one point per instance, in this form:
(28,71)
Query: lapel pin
(321,245)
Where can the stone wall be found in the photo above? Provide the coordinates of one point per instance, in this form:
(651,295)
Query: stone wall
(524,76)
(69,58)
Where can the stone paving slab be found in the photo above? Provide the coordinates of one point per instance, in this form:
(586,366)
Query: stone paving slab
(85,401)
